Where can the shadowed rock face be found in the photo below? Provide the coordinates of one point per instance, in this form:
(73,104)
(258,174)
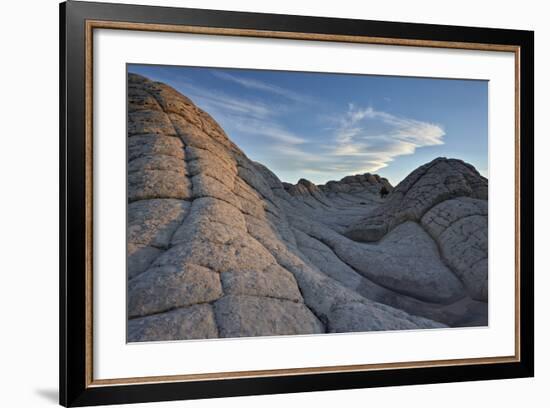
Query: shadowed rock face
(218,246)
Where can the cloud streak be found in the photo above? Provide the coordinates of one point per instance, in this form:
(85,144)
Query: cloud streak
(415,132)
(246,116)
(396,136)
(262,86)
(353,147)
(211,100)
(266,129)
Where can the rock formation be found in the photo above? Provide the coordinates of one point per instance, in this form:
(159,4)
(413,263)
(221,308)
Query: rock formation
(218,246)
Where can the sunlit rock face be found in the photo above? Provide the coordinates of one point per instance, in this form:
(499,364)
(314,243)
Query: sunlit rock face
(218,246)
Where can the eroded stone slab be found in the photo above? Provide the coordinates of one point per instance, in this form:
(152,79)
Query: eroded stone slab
(195,322)
(150,122)
(274,281)
(246,316)
(460,227)
(139,258)
(149,184)
(153,144)
(153,222)
(359,317)
(168,287)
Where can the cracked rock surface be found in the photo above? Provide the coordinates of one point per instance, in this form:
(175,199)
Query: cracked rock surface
(218,246)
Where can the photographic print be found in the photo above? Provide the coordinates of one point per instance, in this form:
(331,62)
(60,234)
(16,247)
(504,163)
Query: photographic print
(265,203)
(236,182)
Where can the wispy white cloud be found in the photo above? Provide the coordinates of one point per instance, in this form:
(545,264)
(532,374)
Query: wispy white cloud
(410,130)
(263,86)
(353,147)
(354,140)
(246,116)
(272,130)
(210,99)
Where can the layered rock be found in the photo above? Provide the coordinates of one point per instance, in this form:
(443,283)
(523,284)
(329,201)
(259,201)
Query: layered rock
(449,199)
(460,228)
(218,246)
(441,179)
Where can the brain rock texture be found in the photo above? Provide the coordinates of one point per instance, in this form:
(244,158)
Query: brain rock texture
(218,246)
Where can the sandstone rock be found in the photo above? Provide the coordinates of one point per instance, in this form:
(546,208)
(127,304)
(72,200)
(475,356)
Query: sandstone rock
(406,260)
(355,316)
(461,230)
(139,257)
(158,184)
(200,163)
(157,162)
(195,322)
(218,246)
(153,222)
(243,251)
(427,186)
(150,122)
(151,145)
(169,287)
(439,218)
(460,313)
(274,282)
(246,316)
(213,220)
(251,177)
(206,186)
(139,99)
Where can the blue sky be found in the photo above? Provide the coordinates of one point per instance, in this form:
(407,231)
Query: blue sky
(326,126)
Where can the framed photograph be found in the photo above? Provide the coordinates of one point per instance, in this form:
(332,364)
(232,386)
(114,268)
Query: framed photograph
(256,203)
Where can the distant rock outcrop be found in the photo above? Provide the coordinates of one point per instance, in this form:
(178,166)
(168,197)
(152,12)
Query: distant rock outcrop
(218,246)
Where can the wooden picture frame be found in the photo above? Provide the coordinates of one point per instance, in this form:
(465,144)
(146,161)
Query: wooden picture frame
(78,20)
